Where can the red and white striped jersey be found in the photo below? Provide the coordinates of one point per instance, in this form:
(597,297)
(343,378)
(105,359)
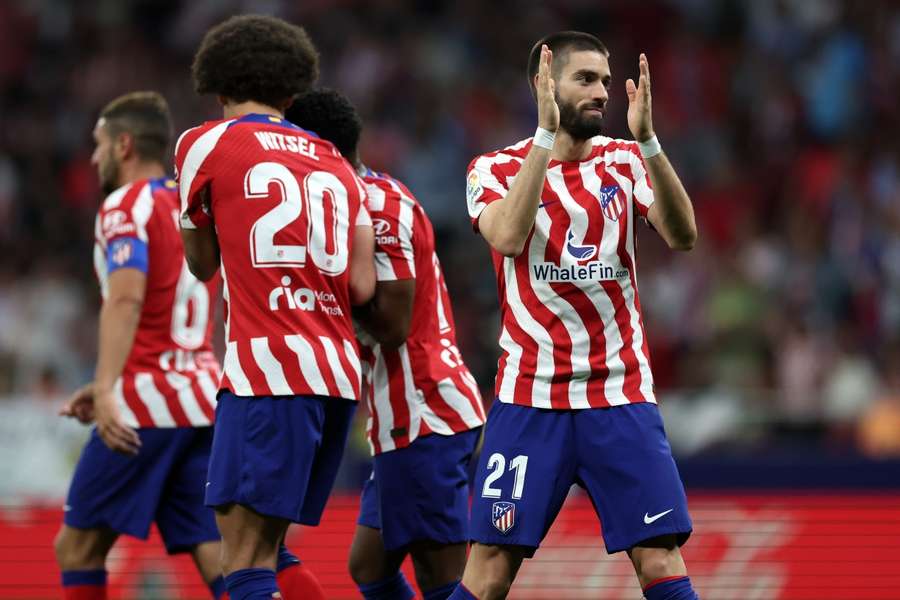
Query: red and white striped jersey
(284,203)
(423,386)
(572,334)
(170,377)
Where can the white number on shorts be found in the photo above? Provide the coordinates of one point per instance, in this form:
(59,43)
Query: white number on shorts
(497,465)
(325,196)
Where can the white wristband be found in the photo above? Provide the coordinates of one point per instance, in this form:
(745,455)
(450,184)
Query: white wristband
(650,148)
(543,138)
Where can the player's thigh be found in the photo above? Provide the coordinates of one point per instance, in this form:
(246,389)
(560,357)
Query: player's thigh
(524,473)
(491,569)
(657,558)
(626,465)
(326,460)
(263,453)
(113,491)
(423,490)
(183,519)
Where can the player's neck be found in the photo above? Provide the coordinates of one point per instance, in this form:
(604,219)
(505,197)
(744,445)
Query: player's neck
(135,171)
(566,148)
(232,110)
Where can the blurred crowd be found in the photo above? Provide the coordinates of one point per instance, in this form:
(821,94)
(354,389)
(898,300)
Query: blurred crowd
(781,117)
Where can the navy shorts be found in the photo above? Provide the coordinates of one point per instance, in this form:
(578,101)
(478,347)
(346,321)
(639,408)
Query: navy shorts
(163,483)
(421,492)
(620,455)
(278,455)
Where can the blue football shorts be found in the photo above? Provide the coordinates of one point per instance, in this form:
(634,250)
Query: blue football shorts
(421,492)
(531,457)
(278,455)
(162,484)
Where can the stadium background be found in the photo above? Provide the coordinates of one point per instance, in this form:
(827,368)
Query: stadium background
(775,343)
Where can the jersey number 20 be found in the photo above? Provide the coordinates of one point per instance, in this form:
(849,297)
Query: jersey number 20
(318,187)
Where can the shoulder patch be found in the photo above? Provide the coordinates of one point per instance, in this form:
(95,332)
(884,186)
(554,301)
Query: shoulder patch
(474,188)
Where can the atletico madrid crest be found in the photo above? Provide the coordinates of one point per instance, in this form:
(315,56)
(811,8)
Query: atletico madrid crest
(611,201)
(503,516)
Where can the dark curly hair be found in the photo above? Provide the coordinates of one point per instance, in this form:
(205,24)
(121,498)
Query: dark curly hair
(144,115)
(255,58)
(330,115)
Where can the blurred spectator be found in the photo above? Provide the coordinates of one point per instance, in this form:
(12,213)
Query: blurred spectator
(781,115)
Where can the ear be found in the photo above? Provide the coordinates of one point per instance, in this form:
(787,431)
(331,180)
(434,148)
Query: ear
(123,147)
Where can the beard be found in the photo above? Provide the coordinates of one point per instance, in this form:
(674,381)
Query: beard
(576,123)
(108,173)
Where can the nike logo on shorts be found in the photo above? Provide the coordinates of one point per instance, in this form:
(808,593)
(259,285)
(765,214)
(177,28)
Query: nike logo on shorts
(648,519)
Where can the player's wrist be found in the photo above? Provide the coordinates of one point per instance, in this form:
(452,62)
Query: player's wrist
(544,138)
(650,147)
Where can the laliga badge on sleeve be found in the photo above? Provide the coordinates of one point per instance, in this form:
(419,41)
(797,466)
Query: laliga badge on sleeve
(503,516)
(473,187)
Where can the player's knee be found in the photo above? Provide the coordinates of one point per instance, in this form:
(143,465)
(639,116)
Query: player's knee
(657,563)
(76,549)
(494,586)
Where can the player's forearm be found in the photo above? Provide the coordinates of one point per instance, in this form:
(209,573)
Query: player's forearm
(387,317)
(675,213)
(119,320)
(201,250)
(511,219)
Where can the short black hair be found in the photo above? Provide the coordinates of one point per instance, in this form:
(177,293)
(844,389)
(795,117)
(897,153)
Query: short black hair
(561,43)
(330,115)
(144,115)
(255,58)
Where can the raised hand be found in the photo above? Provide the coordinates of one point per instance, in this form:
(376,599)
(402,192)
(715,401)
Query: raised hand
(548,111)
(80,405)
(640,119)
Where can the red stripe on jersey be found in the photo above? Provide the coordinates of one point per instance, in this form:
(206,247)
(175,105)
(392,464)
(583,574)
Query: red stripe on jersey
(400,432)
(129,391)
(324,367)
(254,374)
(172,402)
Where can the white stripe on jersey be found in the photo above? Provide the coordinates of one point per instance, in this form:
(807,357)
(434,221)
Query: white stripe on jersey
(405,222)
(458,402)
(208,386)
(115,198)
(409,388)
(382,400)
(128,416)
(269,365)
(337,369)
(187,399)
(353,358)
(234,372)
(141,211)
(200,149)
(309,365)
(544,370)
(153,400)
(384,270)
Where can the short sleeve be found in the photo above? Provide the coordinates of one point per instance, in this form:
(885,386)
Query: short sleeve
(482,187)
(643,190)
(194,158)
(122,227)
(394,253)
